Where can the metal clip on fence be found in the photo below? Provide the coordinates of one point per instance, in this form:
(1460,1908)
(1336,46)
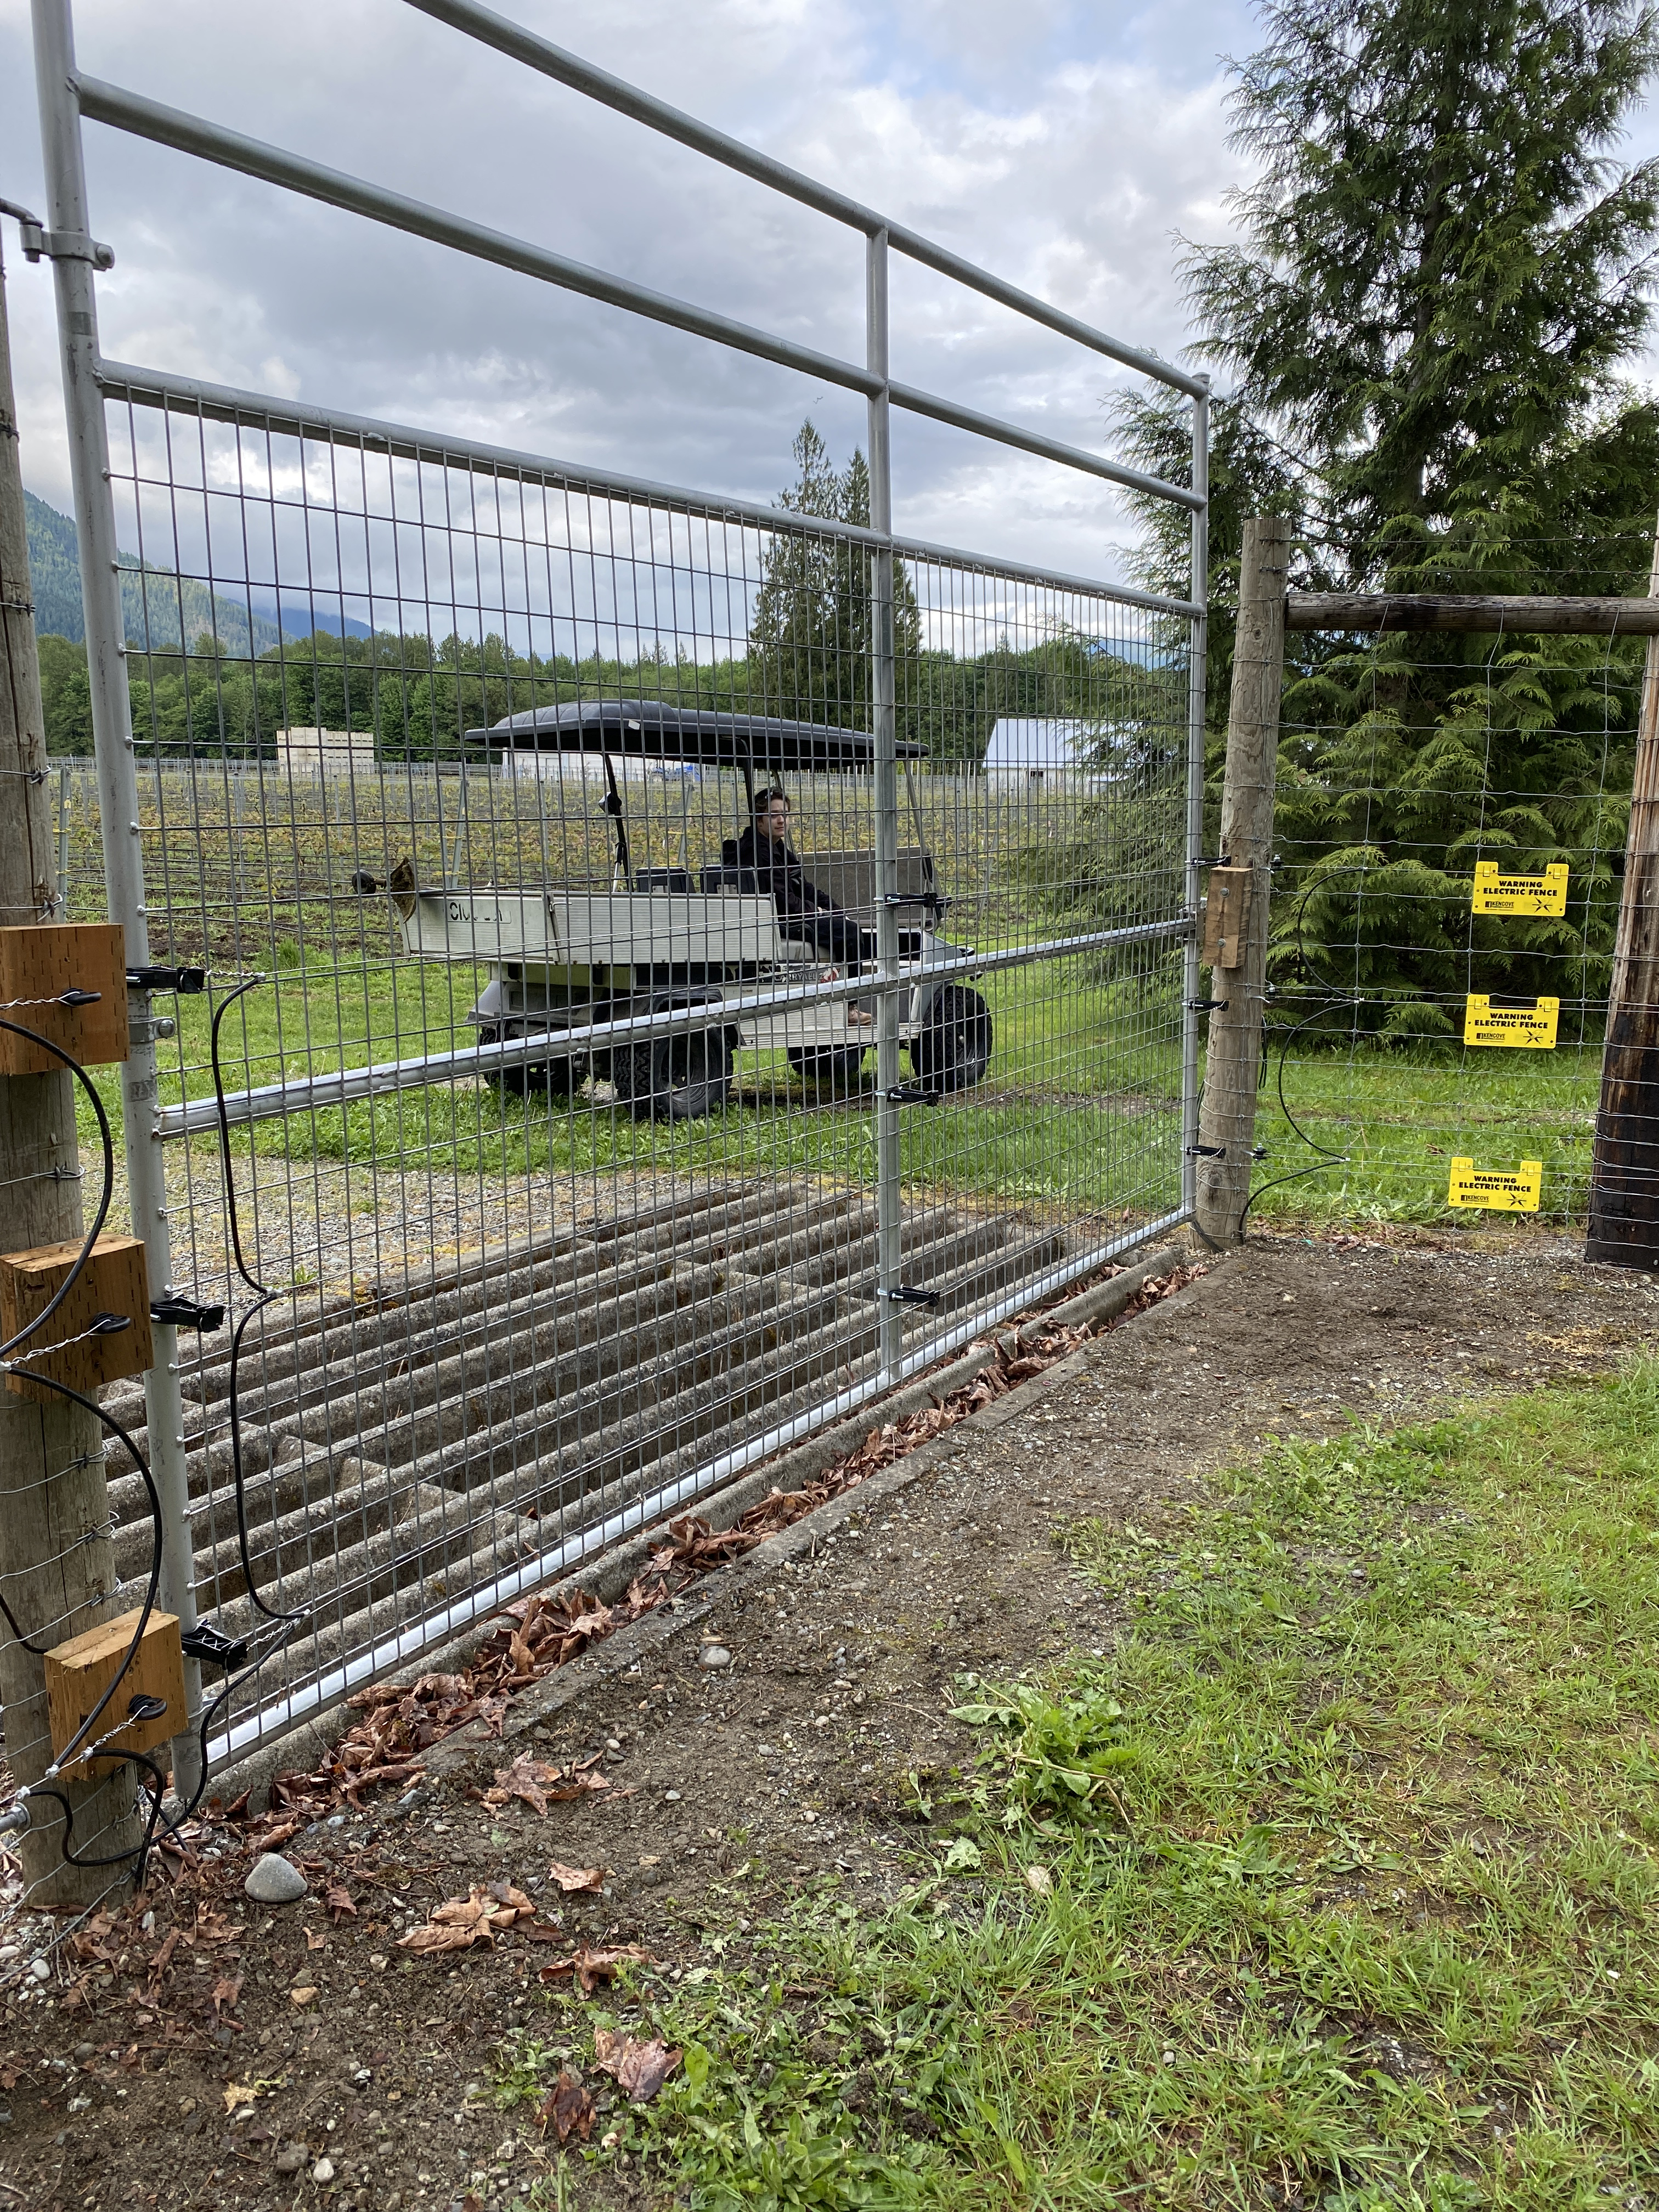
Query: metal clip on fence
(911,1094)
(906,1294)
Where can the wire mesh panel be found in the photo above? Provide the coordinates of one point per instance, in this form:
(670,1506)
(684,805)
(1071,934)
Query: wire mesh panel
(528,1125)
(1450,830)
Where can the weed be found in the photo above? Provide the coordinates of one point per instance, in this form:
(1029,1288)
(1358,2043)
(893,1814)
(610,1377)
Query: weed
(1336,1885)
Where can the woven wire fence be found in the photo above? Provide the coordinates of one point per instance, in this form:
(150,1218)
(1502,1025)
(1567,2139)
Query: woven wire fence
(1450,823)
(533,1246)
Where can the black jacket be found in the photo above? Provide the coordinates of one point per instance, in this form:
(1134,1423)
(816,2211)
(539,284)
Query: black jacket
(778,871)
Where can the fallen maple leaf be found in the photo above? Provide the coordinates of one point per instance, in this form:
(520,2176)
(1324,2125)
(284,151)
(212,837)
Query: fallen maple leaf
(567,2109)
(460,1922)
(571,1879)
(315,1939)
(540,1785)
(640,2068)
(337,1897)
(225,1994)
(590,1968)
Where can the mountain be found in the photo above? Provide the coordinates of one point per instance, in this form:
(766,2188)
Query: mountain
(55,580)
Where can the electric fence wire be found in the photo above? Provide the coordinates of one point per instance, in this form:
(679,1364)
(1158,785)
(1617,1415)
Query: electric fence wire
(77,1743)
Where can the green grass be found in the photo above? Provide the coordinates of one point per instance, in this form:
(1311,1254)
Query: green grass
(1399,1115)
(1336,1884)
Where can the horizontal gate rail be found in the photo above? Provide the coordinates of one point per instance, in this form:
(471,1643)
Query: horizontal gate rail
(269,1101)
(217,403)
(540,54)
(230,149)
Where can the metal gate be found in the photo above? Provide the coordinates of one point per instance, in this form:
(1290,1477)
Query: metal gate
(559,1145)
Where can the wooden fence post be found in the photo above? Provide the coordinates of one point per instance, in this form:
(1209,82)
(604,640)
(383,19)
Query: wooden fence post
(1623,1198)
(1236,934)
(56,1561)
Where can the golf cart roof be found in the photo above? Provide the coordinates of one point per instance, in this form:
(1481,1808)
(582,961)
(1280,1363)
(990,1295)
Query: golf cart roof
(647,729)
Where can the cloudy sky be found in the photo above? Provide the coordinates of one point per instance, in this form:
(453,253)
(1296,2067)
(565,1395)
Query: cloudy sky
(1059,142)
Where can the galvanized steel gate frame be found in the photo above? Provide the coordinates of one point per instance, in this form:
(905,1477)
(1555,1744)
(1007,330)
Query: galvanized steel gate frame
(67,98)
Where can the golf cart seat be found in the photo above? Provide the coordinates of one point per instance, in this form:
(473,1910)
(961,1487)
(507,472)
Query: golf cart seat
(849,880)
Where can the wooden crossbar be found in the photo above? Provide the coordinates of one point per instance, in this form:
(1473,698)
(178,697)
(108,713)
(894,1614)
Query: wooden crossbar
(1382,610)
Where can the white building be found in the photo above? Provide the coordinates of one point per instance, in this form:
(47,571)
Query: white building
(326,752)
(1042,749)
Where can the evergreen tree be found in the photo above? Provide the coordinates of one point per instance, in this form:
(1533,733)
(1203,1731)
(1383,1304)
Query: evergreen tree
(809,637)
(1441,278)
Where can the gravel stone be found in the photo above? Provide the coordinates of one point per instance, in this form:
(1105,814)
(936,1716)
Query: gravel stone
(276,1880)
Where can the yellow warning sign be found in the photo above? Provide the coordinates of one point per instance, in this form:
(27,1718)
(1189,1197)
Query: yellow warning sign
(1529,1023)
(1495,892)
(1497,1189)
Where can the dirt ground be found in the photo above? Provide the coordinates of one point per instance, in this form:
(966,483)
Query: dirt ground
(729,1786)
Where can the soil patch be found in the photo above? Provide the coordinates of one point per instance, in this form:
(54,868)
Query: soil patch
(808,1757)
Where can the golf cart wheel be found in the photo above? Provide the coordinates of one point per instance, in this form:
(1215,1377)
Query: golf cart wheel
(558,1078)
(952,1049)
(675,1079)
(828,1068)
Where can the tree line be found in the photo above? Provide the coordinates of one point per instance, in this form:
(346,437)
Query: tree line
(808,658)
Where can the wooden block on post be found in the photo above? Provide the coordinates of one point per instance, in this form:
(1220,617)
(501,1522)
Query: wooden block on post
(79,1672)
(114,1281)
(1226,918)
(38,965)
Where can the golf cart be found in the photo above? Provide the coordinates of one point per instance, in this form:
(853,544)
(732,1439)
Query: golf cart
(658,938)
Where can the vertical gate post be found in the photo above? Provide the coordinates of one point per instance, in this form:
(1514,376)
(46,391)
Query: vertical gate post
(1197,704)
(56,1562)
(1623,1198)
(1232,1062)
(884,702)
(118,793)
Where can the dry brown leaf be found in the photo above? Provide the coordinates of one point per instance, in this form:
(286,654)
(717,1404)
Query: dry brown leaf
(567,2109)
(574,1879)
(315,1939)
(590,1968)
(460,1922)
(225,1994)
(337,1897)
(641,2069)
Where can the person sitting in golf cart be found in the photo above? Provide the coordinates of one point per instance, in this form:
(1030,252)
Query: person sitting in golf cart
(804,912)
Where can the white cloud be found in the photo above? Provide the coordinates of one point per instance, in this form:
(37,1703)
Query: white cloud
(1060,145)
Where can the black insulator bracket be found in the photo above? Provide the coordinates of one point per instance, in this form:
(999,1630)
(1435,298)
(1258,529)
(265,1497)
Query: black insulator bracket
(78,998)
(906,1294)
(188,982)
(142,1706)
(108,1324)
(186,1313)
(910,1094)
(1207,1152)
(1206,1006)
(213,1647)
